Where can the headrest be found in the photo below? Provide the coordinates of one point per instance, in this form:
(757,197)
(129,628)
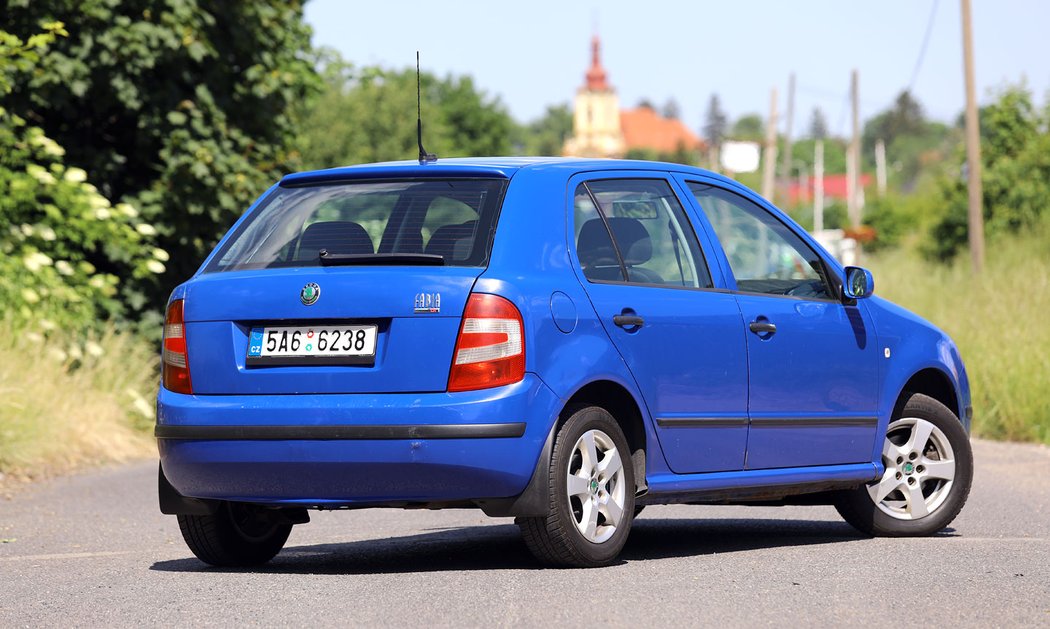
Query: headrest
(338,237)
(452,242)
(594,247)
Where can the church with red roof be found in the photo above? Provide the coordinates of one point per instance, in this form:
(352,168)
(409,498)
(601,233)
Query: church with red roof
(602,129)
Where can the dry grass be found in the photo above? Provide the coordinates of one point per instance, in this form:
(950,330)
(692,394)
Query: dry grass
(65,404)
(998,320)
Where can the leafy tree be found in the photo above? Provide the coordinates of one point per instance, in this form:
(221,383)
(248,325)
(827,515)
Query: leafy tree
(671,110)
(904,118)
(547,134)
(67,255)
(818,124)
(749,127)
(1015,175)
(182,108)
(716,123)
(913,144)
(368,115)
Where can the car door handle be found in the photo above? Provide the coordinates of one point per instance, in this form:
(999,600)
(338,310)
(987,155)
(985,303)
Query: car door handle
(628,321)
(763,327)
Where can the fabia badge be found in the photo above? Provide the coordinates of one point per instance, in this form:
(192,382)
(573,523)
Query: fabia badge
(310,294)
(426,303)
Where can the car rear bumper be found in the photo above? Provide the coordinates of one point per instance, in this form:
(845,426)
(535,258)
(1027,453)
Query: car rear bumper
(355,449)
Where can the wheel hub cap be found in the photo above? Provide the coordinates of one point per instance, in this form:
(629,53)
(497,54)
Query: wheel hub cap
(920,470)
(596,486)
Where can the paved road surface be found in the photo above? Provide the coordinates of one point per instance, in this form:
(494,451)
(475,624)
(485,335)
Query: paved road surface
(93,550)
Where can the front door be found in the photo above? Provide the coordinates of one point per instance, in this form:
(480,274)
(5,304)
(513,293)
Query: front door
(646,275)
(812,358)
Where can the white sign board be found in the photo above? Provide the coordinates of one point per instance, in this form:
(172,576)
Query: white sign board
(739,157)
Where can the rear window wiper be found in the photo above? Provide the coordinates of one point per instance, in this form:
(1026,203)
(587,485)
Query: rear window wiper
(380,259)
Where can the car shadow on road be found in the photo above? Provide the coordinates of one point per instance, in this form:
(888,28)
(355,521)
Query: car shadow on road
(499,547)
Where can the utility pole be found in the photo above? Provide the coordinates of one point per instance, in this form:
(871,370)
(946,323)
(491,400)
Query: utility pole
(785,159)
(853,202)
(973,146)
(880,166)
(769,168)
(818,186)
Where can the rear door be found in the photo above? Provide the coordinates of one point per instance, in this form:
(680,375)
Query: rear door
(646,275)
(812,358)
(396,259)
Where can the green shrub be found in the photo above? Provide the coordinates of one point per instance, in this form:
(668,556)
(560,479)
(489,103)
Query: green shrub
(68,258)
(1008,362)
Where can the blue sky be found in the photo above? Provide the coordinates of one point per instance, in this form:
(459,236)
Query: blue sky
(533,54)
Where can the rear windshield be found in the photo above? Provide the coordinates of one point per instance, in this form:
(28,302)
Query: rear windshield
(451,218)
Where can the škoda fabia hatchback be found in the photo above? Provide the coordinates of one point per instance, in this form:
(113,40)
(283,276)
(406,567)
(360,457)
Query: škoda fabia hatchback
(561,341)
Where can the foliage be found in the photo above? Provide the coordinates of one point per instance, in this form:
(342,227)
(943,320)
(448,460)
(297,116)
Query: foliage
(671,110)
(1008,364)
(913,144)
(1015,174)
(716,123)
(182,108)
(681,155)
(749,127)
(547,134)
(368,115)
(818,124)
(68,258)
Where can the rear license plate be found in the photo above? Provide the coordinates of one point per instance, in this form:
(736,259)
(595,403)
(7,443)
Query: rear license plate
(312,345)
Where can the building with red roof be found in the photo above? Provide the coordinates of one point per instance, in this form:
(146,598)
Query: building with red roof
(601,129)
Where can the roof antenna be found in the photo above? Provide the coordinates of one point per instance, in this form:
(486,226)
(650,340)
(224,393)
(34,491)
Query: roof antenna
(424,157)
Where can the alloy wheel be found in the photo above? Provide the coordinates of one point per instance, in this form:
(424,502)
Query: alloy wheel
(920,470)
(596,486)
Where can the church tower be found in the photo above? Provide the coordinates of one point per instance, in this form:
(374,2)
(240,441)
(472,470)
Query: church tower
(596,120)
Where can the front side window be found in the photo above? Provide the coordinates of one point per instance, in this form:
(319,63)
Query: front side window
(764,254)
(450,218)
(635,230)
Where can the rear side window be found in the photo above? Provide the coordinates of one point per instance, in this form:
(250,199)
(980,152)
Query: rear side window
(451,218)
(635,230)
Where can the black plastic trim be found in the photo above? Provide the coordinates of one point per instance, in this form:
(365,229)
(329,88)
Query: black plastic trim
(700,422)
(174,503)
(795,422)
(344,432)
(534,501)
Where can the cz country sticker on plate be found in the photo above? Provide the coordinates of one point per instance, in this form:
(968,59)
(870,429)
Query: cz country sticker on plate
(312,345)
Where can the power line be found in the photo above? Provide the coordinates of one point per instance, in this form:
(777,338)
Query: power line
(925,42)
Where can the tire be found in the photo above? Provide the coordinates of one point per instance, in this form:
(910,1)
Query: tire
(925,485)
(236,535)
(587,522)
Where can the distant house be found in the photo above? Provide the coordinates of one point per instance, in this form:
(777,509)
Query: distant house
(835,187)
(602,129)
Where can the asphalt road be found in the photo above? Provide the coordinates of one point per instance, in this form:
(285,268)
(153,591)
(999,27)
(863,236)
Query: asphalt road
(93,550)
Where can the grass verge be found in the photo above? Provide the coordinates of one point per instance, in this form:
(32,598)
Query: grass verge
(997,320)
(65,403)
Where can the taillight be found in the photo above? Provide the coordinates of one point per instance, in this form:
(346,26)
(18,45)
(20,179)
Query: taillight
(176,373)
(490,349)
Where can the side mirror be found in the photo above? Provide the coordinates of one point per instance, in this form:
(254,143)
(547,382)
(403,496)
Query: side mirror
(859,283)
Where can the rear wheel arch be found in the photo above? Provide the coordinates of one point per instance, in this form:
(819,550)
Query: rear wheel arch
(934,383)
(624,408)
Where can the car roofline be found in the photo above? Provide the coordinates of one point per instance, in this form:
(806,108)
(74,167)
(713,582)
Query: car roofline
(500,167)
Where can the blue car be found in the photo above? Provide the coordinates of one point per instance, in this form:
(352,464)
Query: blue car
(561,341)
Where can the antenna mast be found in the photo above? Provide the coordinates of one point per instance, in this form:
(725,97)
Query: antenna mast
(424,157)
